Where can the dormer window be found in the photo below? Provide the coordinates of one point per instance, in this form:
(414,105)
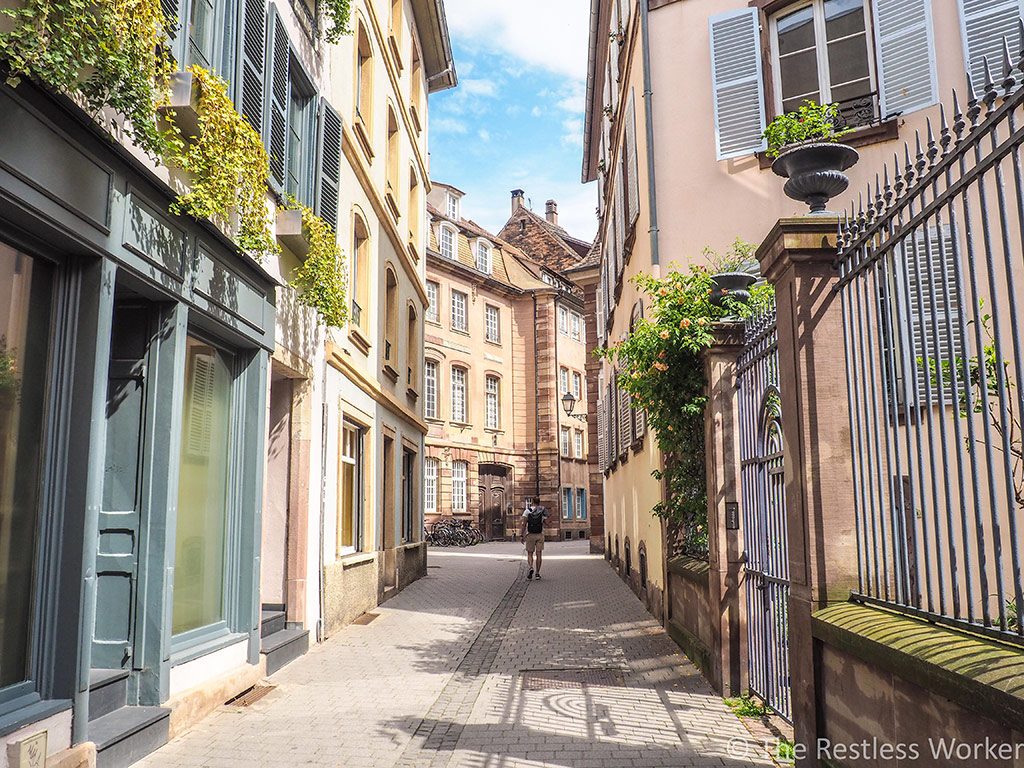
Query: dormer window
(446,242)
(483,256)
(452,207)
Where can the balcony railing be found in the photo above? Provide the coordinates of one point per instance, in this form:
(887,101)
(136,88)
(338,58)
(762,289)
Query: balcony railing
(860,112)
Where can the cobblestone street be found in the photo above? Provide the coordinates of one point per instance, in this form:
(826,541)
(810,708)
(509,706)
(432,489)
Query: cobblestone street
(476,667)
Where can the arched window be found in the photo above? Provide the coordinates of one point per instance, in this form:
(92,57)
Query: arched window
(483,256)
(416,100)
(629,559)
(415,214)
(363,79)
(446,240)
(430,389)
(396,30)
(493,402)
(390,317)
(360,271)
(412,351)
(460,381)
(393,151)
(641,554)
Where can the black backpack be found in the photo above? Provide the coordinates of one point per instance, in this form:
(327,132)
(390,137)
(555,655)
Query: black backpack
(535,520)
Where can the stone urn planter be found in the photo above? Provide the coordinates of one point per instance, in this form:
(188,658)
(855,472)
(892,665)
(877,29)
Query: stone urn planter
(815,172)
(733,284)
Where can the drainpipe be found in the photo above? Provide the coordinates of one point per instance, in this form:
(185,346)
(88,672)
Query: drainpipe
(652,190)
(536,410)
(320,623)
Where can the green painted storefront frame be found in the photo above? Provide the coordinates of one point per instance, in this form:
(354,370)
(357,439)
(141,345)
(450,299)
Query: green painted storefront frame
(106,219)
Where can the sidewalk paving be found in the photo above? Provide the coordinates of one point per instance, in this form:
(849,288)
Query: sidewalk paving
(476,667)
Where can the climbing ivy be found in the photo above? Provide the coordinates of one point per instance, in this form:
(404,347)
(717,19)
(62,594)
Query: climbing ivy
(109,54)
(227,165)
(320,281)
(339,14)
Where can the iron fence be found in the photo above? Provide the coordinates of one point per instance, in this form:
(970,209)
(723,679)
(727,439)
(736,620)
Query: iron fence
(930,264)
(765,544)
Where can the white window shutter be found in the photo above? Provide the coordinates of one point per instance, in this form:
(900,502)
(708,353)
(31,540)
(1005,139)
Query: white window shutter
(983,25)
(620,222)
(736,83)
(631,161)
(906,55)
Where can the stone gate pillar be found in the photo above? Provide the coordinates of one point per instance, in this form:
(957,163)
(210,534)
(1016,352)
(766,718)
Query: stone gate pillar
(797,259)
(725,545)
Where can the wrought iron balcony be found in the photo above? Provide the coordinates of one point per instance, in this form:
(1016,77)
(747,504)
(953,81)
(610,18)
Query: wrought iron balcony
(860,111)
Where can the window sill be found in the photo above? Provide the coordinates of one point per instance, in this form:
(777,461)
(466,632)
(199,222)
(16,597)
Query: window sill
(352,559)
(461,333)
(414,253)
(30,709)
(362,134)
(390,372)
(437,323)
(392,204)
(412,393)
(887,130)
(461,424)
(356,336)
(203,641)
(492,342)
(396,51)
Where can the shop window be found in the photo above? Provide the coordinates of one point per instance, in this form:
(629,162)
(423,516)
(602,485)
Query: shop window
(27,287)
(203,495)
(350,489)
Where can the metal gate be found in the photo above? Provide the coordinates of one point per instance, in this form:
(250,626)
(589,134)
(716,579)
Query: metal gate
(764,514)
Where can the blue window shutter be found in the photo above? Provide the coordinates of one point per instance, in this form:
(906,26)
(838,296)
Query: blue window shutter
(250,62)
(906,55)
(737,84)
(983,25)
(328,171)
(275,134)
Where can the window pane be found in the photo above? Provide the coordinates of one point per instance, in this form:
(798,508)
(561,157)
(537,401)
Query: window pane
(350,484)
(201,33)
(799,75)
(25,296)
(848,61)
(796,31)
(843,17)
(202,489)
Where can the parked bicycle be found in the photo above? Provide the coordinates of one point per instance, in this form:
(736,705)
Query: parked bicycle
(452,533)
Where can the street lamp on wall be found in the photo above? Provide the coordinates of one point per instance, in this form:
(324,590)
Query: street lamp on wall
(569,404)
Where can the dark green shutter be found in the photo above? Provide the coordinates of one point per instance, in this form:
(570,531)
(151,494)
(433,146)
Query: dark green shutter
(250,62)
(172,20)
(276,134)
(328,170)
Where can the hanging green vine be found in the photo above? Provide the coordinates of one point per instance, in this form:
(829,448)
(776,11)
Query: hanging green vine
(660,367)
(111,54)
(320,281)
(339,14)
(228,166)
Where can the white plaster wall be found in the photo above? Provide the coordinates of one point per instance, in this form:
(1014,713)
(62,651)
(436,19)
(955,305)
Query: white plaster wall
(58,736)
(198,671)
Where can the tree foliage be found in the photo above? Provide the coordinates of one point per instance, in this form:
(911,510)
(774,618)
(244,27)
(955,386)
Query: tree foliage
(660,367)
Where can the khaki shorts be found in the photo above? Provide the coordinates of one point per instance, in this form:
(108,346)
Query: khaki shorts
(535,542)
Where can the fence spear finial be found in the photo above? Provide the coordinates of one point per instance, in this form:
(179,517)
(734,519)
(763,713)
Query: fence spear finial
(990,86)
(920,164)
(945,137)
(933,147)
(1009,81)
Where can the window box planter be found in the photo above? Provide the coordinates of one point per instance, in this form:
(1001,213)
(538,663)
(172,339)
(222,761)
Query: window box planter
(815,172)
(290,233)
(183,103)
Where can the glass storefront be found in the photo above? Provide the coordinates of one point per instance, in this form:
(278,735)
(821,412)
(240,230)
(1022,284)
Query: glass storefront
(26,298)
(199,569)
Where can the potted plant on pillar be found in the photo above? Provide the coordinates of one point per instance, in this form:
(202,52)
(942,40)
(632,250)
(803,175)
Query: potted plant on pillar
(732,273)
(807,150)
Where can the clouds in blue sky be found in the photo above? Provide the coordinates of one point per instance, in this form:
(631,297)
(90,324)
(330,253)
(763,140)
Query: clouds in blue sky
(516,119)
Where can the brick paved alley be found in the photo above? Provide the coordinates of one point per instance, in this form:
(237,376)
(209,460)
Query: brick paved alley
(476,667)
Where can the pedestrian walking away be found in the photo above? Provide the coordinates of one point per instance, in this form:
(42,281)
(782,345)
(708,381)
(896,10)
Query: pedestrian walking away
(532,533)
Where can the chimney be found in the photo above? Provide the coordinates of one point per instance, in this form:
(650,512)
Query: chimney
(551,212)
(517,199)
